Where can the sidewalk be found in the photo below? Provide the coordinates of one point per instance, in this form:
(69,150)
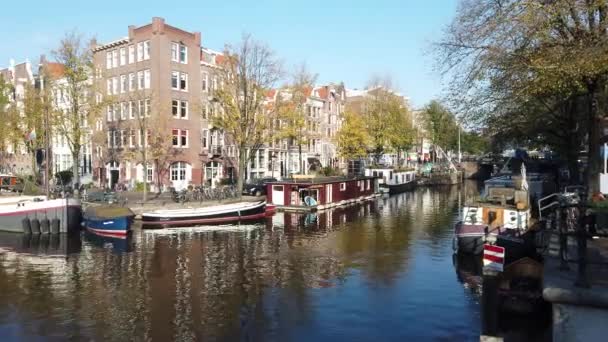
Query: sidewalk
(579,313)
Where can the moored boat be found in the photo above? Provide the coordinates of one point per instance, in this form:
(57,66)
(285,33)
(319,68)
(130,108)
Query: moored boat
(216,214)
(392,180)
(108,221)
(14,210)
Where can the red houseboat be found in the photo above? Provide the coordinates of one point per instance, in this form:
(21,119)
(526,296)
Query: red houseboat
(316,193)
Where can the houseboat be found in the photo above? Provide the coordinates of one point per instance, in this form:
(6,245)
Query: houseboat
(392,180)
(502,212)
(318,193)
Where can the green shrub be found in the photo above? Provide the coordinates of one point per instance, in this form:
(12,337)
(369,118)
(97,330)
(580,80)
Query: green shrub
(139,186)
(64,177)
(329,171)
(31,189)
(226,181)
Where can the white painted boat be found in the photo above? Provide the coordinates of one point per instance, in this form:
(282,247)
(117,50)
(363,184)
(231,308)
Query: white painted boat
(14,209)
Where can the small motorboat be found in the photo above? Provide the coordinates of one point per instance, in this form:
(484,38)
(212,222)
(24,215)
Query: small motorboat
(215,214)
(108,221)
(16,211)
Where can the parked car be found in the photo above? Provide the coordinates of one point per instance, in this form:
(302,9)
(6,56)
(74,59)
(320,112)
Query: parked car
(257,187)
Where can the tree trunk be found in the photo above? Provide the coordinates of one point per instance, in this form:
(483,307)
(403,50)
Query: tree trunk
(300,158)
(593,157)
(145,163)
(242,170)
(75,172)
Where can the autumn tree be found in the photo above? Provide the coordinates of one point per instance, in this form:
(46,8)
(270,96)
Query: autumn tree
(505,57)
(293,112)
(6,133)
(79,106)
(30,126)
(440,125)
(353,139)
(248,70)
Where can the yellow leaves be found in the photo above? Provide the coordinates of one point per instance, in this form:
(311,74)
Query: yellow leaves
(353,139)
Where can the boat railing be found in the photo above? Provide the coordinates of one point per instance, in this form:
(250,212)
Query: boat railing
(543,205)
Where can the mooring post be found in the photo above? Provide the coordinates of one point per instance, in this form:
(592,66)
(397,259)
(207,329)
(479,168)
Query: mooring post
(489,303)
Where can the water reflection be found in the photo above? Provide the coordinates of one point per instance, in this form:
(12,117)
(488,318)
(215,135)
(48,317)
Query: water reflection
(374,270)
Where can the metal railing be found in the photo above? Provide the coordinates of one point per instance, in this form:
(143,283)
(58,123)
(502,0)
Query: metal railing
(574,220)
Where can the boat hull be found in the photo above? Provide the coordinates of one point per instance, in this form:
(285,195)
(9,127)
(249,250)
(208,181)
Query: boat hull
(109,227)
(208,217)
(399,188)
(68,212)
(471,237)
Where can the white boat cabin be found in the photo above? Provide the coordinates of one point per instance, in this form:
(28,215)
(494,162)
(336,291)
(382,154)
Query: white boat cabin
(390,176)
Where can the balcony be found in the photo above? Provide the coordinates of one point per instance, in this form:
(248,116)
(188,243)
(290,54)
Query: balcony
(216,150)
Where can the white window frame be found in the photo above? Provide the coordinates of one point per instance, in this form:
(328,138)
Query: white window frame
(115,112)
(175,108)
(343,186)
(183,60)
(109,81)
(140,51)
(183,105)
(114,58)
(205,85)
(123,56)
(132,81)
(131,54)
(146,50)
(174,52)
(108,59)
(109,113)
(123,84)
(147,79)
(131,109)
(175,76)
(124,108)
(115,85)
(141,108)
(141,82)
(147,107)
(183,77)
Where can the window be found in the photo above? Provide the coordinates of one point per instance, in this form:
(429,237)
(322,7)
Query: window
(179,80)
(148,109)
(109,138)
(132,138)
(174,52)
(108,59)
(141,81)
(114,58)
(132,82)
(205,78)
(109,81)
(123,84)
(174,107)
(140,51)
(131,106)
(149,174)
(142,109)
(115,111)
(147,79)
(124,108)
(174,79)
(214,85)
(183,81)
(184,110)
(368,184)
(134,109)
(123,56)
(183,54)
(131,54)
(342,186)
(146,50)
(205,138)
(206,111)
(178,171)
(115,85)
(180,137)
(110,113)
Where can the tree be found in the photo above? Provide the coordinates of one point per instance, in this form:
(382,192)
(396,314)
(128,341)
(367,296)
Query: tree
(293,110)
(440,124)
(401,132)
(377,113)
(6,117)
(80,105)
(30,127)
(529,54)
(247,72)
(353,139)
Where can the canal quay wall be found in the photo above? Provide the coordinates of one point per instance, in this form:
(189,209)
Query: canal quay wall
(579,300)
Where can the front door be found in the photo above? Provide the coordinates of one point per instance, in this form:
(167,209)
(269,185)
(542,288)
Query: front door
(328,193)
(278,195)
(114,178)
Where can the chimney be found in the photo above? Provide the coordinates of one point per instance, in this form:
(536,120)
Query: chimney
(158,25)
(131,32)
(197,38)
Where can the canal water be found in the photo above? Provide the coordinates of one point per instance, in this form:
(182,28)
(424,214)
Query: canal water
(381,270)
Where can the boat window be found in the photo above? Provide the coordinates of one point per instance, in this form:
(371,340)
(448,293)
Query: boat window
(369,182)
(342,186)
(277,188)
(390,175)
(375,173)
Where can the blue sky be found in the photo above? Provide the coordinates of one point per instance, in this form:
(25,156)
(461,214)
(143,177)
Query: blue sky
(340,40)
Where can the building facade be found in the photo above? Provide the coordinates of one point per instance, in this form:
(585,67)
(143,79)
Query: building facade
(152,91)
(14,158)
